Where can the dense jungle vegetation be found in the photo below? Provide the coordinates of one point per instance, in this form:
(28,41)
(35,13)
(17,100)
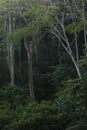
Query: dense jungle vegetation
(43,65)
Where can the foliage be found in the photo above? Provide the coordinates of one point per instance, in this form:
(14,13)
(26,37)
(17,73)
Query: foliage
(14,95)
(37,18)
(59,74)
(39,116)
(72,101)
(17,113)
(75,27)
(5,115)
(69,111)
(61,99)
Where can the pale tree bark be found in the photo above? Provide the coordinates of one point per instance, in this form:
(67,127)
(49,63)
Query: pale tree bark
(28,47)
(60,33)
(8,11)
(85,25)
(72,11)
(11,49)
(20,70)
(74,20)
(72,7)
(12,63)
(69,52)
(82,16)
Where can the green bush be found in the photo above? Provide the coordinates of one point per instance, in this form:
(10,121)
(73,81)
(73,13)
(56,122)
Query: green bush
(17,112)
(14,95)
(39,116)
(5,115)
(72,101)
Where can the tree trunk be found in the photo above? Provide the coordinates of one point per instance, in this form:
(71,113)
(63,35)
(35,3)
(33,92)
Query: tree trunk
(30,70)
(20,69)
(69,51)
(12,63)
(76,66)
(85,29)
(11,50)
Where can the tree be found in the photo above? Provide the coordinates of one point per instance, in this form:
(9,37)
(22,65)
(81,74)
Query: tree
(59,30)
(30,32)
(7,8)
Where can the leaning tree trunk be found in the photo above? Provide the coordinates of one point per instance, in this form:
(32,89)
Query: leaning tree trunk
(76,66)
(68,50)
(30,69)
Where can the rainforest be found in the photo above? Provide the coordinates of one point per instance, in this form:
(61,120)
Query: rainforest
(43,64)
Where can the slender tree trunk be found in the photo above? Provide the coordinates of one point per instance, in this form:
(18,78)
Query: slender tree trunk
(8,54)
(30,72)
(85,38)
(30,69)
(62,36)
(11,51)
(76,66)
(12,63)
(20,70)
(69,52)
(85,29)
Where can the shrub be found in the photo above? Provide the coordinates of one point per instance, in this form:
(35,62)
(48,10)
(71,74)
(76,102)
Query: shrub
(39,116)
